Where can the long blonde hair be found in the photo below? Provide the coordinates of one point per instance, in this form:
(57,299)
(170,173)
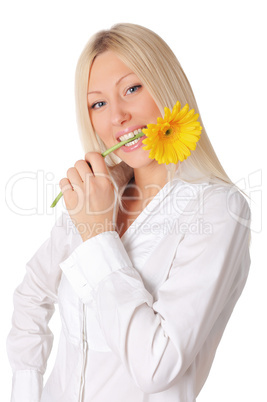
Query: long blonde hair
(151,59)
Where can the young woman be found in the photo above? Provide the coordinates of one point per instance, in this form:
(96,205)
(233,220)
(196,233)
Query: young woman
(148,261)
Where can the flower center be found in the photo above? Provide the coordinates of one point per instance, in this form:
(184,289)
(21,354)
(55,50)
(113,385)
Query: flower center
(168,132)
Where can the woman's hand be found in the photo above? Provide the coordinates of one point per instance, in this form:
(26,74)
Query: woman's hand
(89,196)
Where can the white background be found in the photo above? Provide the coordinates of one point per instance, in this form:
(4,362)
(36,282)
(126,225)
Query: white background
(222,48)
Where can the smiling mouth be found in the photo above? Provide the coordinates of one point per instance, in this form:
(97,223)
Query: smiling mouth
(131,135)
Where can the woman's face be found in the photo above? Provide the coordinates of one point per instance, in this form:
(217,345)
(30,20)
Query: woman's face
(119,104)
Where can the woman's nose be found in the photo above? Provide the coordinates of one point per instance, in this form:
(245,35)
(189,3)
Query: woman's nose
(120,114)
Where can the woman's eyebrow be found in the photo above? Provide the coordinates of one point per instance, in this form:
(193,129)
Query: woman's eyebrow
(117,83)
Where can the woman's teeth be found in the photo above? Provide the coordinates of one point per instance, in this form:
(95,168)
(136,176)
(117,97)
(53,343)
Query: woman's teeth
(129,144)
(130,135)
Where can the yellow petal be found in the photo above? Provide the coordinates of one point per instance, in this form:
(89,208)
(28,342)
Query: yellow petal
(191,145)
(182,113)
(167,114)
(172,156)
(190,116)
(189,137)
(175,110)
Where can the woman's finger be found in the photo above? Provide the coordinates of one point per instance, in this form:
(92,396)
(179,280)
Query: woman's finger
(83,169)
(74,177)
(65,186)
(97,163)
(71,193)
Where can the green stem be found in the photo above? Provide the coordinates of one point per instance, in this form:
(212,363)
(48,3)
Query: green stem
(120,144)
(105,153)
(54,203)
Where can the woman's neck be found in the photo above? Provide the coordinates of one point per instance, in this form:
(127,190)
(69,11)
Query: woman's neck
(148,181)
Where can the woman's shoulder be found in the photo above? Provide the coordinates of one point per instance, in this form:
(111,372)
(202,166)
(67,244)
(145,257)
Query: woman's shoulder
(225,196)
(213,198)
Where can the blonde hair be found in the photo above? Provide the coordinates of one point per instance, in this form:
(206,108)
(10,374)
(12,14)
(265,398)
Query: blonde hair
(151,59)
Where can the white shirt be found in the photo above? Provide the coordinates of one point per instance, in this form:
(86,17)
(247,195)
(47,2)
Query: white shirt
(142,315)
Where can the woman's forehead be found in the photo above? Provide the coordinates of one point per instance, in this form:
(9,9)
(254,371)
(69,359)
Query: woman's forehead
(107,68)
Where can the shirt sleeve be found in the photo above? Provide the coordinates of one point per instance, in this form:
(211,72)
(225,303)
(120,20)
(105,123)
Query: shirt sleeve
(30,340)
(158,340)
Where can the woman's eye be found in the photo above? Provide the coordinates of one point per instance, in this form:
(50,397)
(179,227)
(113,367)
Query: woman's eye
(133,89)
(98,105)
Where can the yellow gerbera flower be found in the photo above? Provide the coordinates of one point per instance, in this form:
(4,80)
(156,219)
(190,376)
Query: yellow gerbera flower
(172,138)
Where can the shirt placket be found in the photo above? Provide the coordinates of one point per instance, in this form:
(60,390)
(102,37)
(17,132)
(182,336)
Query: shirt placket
(84,354)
